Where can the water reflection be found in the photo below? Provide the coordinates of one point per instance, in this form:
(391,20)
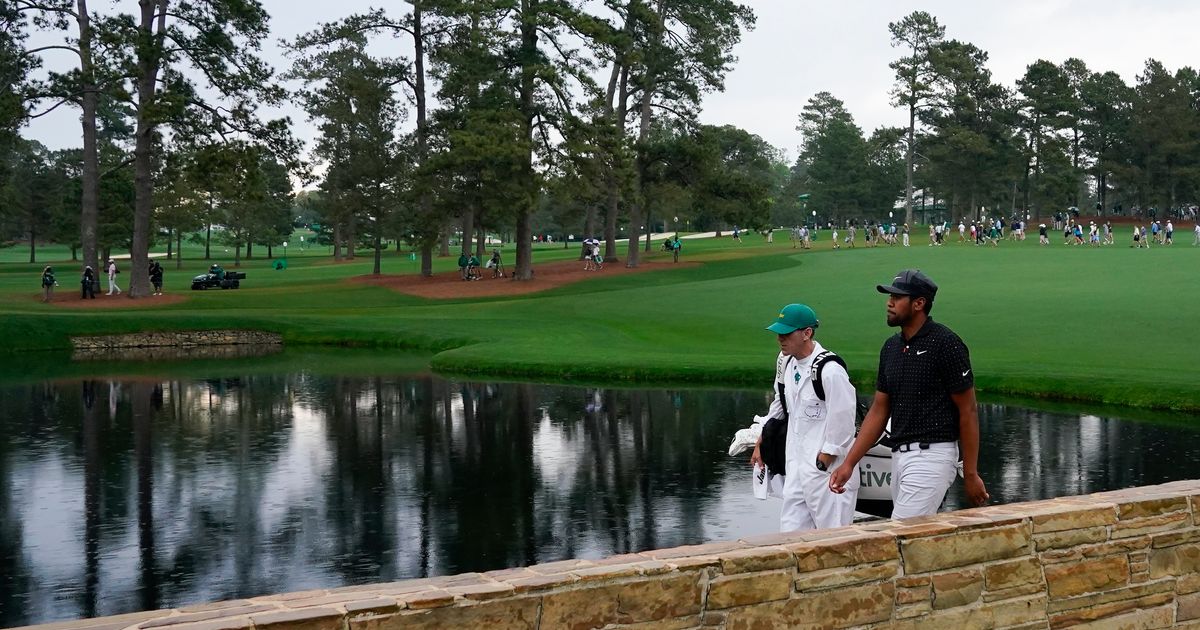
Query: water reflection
(127,495)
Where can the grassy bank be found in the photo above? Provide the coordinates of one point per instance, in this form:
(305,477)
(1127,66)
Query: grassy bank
(1110,326)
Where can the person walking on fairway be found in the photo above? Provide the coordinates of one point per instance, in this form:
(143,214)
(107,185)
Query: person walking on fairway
(926,385)
(88,283)
(48,284)
(156,277)
(463,260)
(815,400)
(111,269)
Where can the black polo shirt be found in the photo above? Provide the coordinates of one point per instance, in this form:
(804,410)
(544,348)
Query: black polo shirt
(918,375)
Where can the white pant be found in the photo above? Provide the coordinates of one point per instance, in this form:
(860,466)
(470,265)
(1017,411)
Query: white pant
(906,240)
(808,503)
(112,284)
(920,478)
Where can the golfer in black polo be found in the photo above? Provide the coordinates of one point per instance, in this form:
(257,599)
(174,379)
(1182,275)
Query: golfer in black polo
(927,387)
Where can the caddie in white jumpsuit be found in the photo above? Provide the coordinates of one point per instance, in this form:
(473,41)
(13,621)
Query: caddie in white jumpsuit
(819,433)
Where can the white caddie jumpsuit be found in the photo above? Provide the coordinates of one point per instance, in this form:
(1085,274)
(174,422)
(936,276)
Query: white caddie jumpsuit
(815,426)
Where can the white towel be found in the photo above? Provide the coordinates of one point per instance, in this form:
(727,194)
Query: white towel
(745,439)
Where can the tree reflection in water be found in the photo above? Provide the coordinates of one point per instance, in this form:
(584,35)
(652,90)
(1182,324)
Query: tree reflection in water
(130,494)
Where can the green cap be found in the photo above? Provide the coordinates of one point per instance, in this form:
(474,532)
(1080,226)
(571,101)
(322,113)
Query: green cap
(793,317)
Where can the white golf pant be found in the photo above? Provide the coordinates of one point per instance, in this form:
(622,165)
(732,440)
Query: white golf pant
(808,503)
(921,477)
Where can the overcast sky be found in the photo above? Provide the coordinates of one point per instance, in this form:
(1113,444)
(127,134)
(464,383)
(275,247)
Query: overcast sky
(800,48)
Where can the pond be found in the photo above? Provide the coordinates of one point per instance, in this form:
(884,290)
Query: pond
(120,494)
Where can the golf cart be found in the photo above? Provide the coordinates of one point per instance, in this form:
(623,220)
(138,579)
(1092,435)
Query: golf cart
(218,277)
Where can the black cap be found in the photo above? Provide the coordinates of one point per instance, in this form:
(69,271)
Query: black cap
(910,282)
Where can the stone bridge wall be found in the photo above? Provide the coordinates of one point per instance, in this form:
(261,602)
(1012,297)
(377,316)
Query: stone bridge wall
(1126,559)
(178,339)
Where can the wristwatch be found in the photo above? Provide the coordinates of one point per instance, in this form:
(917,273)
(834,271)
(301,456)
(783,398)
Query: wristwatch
(821,465)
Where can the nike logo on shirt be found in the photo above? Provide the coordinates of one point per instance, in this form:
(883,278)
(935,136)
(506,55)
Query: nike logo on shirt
(920,352)
(966,373)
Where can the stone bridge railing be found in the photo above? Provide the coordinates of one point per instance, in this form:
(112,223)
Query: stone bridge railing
(1125,559)
(187,344)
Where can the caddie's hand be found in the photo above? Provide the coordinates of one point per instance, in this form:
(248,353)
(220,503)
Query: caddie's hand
(976,492)
(756,456)
(839,477)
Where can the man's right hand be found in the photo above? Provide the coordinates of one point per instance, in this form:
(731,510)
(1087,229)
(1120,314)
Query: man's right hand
(756,456)
(839,477)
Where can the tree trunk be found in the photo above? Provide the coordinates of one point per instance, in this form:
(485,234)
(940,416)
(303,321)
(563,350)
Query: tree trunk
(237,254)
(636,215)
(208,233)
(90,177)
(178,249)
(426,201)
(378,252)
(649,227)
(351,238)
(32,246)
(1075,167)
(908,161)
(249,247)
(170,243)
(617,160)
(1102,191)
(612,208)
(149,55)
(467,228)
(530,65)
(524,248)
(426,259)
(1031,147)
(337,241)
(480,240)
(445,244)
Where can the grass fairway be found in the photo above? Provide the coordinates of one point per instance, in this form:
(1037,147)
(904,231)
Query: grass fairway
(1109,325)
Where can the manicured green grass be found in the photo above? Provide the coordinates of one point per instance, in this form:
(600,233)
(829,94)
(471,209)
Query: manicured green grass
(1110,326)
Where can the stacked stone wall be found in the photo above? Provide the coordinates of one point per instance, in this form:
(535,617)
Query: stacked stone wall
(1125,559)
(180,339)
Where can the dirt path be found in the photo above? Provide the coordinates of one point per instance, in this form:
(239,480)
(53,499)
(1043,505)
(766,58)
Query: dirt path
(545,276)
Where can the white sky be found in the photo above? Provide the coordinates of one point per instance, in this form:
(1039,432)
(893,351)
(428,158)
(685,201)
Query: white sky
(800,48)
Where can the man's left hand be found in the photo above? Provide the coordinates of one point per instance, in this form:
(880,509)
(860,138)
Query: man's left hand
(827,459)
(976,492)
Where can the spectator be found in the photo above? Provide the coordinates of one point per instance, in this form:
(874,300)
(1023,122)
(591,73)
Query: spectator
(156,277)
(473,268)
(88,284)
(111,269)
(48,284)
